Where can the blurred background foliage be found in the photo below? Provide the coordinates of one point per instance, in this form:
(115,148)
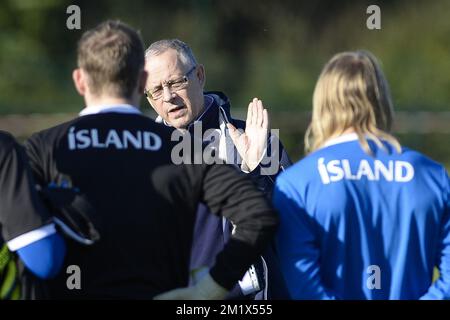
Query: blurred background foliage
(270,49)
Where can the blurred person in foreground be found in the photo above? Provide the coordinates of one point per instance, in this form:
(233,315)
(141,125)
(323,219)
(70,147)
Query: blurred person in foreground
(175,90)
(361,216)
(27,230)
(143,206)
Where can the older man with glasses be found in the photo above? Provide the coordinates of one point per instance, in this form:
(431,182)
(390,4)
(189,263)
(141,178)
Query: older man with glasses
(175,90)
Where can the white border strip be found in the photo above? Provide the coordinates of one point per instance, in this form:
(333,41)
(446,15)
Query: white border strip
(120,108)
(30,237)
(72,234)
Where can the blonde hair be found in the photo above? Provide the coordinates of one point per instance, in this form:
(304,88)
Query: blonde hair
(352,92)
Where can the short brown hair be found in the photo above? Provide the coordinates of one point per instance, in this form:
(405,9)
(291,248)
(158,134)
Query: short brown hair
(112,54)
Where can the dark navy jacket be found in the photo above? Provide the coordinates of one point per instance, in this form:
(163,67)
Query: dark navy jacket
(211,232)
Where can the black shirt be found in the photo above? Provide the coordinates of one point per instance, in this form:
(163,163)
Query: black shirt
(21,210)
(145,206)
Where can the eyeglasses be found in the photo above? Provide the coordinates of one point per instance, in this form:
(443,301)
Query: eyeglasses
(173,86)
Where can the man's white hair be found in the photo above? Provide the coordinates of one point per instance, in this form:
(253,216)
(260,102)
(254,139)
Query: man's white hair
(184,52)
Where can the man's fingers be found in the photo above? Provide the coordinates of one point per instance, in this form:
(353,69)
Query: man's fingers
(260,113)
(248,121)
(254,111)
(234,133)
(265,122)
(240,140)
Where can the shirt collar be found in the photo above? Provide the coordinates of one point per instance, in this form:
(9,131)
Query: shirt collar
(117,108)
(341,139)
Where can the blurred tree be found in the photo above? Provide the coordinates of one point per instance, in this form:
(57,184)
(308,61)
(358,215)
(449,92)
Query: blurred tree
(270,49)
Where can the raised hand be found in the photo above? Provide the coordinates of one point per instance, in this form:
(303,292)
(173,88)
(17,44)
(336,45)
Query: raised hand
(252,144)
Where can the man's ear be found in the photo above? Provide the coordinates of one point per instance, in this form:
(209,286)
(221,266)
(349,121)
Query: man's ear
(142,81)
(79,79)
(200,74)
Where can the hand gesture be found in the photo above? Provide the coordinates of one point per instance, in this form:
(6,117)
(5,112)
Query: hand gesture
(252,144)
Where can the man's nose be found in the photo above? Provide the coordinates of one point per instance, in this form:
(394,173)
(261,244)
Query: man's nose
(167,94)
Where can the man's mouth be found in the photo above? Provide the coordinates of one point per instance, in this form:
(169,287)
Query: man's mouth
(176,108)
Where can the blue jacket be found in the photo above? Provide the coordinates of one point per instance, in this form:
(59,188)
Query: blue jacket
(211,232)
(355,226)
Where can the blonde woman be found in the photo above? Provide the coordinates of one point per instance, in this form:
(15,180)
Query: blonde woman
(361,216)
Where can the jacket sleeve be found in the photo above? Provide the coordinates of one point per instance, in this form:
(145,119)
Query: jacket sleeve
(229,193)
(297,246)
(21,209)
(37,159)
(440,289)
(25,221)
